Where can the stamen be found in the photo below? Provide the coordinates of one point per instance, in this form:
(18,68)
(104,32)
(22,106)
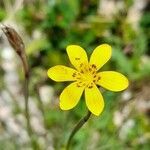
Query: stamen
(84,84)
(87,76)
(94,76)
(90,69)
(81,64)
(98,78)
(78,85)
(93,72)
(90,86)
(93,66)
(82,71)
(74,74)
(78,73)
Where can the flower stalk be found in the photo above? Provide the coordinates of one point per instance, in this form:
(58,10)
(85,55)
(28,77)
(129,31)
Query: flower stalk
(17,44)
(77,128)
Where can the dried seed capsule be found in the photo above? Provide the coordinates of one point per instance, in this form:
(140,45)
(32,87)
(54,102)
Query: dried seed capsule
(14,39)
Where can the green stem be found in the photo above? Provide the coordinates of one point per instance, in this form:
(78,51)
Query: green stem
(41,105)
(77,127)
(34,143)
(26,95)
(26,92)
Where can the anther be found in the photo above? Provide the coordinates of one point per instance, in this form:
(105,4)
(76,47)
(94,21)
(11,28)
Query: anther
(78,73)
(81,64)
(98,78)
(84,84)
(82,71)
(93,66)
(94,76)
(74,74)
(90,86)
(78,85)
(93,72)
(90,69)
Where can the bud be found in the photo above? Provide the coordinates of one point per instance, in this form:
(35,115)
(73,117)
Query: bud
(14,39)
(17,43)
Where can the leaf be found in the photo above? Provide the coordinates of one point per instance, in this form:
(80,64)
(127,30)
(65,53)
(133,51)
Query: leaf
(123,64)
(36,45)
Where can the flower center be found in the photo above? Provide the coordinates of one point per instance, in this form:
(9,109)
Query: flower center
(87,75)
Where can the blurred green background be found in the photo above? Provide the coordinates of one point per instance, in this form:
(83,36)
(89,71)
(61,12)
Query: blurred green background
(47,27)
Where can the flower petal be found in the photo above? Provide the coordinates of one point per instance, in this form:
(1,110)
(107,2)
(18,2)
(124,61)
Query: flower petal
(113,81)
(70,96)
(94,100)
(100,55)
(61,73)
(77,55)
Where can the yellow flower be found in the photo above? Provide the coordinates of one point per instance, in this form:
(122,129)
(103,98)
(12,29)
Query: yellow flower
(86,78)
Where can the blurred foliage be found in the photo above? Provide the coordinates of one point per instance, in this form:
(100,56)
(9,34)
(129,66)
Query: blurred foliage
(59,23)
